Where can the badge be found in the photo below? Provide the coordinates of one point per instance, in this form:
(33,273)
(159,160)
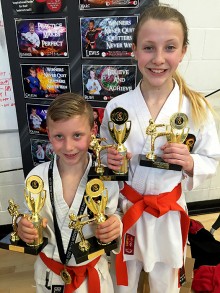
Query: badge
(65,276)
(129,244)
(57,289)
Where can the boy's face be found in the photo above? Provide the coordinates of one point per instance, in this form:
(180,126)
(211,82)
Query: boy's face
(33,73)
(70,139)
(31,29)
(91,25)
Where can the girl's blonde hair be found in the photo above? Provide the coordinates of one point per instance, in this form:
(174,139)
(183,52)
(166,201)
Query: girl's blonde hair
(167,13)
(68,105)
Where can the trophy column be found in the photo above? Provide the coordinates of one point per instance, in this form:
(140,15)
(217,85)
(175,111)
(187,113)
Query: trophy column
(96,199)
(119,128)
(176,132)
(35,197)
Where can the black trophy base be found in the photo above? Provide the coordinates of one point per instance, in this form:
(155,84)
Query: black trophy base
(158,163)
(20,246)
(95,250)
(107,175)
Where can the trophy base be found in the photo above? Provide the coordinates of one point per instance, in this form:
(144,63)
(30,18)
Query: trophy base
(107,175)
(96,249)
(158,163)
(21,246)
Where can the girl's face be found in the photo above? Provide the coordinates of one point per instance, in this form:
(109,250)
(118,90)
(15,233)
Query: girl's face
(158,51)
(70,139)
(92,74)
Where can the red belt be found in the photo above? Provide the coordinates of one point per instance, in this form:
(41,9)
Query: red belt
(156,205)
(77,273)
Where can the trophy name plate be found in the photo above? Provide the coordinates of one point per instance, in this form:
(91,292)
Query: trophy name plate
(21,246)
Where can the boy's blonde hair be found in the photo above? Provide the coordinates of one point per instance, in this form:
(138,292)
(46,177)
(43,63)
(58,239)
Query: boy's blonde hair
(68,105)
(167,13)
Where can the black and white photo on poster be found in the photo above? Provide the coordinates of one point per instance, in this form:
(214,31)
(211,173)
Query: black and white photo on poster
(104,82)
(107,4)
(42,38)
(45,81)
(36,117)
(41,151)
(38,6)
(107,37)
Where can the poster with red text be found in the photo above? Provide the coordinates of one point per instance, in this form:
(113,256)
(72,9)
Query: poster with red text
(38,6)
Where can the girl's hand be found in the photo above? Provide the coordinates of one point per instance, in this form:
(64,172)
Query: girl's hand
(114,159)
(108,230)
(26,230)
(178,153)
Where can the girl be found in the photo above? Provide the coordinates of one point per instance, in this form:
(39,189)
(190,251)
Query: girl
(155,222)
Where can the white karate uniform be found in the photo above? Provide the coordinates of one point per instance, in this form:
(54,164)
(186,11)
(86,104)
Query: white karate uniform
(33,38)
(94,86)
(159,240)
(62,212)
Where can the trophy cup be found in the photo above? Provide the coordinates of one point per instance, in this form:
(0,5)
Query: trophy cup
(119,128)
(96,199)
(35,198)
(176,132)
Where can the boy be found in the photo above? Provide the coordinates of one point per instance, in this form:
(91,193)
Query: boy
(32,37)
(70,126)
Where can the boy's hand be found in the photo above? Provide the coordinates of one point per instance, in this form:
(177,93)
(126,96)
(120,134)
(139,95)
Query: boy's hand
(109,230)
(114,159)
(26,230)
(178,153)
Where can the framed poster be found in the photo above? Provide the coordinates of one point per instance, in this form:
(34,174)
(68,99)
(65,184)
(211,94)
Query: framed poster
(45,81)
(38,6)
(41,151)
(42,38)
(107,37)
(107,4)
(36,117)
(104,82)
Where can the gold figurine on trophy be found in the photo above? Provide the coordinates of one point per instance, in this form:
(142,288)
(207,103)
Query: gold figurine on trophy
(96,199)
(35,197)
(175,132)
(119,128)
(96,146)
(14,213)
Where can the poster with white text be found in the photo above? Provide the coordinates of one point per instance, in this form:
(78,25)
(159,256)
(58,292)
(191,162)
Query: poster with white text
(42,38)
(38,6)
(36,117)
(45,81)
(104,82)
(107,37)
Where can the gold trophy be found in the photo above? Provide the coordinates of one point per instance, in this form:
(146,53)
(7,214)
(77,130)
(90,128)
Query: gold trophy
(176,131)
(35,197)
(119,128)
(96,199)
(95,145)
